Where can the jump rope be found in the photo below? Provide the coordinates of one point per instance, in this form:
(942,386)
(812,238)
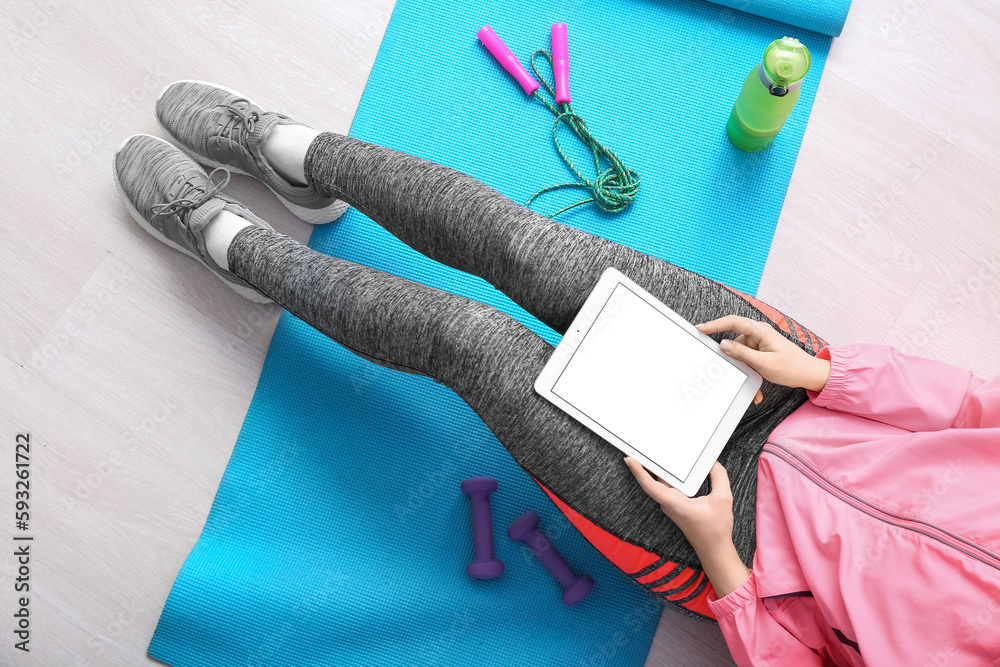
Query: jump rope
(613,187)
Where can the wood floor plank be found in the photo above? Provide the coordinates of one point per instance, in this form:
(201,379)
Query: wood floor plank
(685,641)
(111,520)
(125,361)
(987,7)
(936,325)
(931,61)
(877,204)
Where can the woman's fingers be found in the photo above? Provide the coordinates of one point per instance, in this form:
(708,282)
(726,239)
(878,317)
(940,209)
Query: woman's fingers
(661,492)
(720,481)
(753,358)
(734,323)
(644,477)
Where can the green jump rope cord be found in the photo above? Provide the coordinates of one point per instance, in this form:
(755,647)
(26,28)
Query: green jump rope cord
(613,188)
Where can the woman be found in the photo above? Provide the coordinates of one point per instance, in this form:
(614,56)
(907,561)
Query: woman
(830,477)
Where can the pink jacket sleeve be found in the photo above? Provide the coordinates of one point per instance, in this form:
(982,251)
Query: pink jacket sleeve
(753,635)
(883,384)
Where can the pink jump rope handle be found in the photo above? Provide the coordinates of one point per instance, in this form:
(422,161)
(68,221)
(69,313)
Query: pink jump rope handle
(560,62)
(507,59)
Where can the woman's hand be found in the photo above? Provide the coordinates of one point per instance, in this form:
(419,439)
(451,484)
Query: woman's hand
(706,521)
(777,359)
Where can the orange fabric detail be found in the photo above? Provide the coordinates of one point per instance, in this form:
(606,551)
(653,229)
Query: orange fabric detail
(630,558)
(687,590)
(658,573)
(626,556)
(782,322)
(800,332)
(815,340)
(699,604)
(770,313)
(683,575)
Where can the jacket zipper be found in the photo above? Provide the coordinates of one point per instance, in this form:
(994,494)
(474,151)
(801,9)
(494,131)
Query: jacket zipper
(916,525)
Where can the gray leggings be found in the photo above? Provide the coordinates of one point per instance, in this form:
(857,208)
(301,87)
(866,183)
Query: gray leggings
(489,359)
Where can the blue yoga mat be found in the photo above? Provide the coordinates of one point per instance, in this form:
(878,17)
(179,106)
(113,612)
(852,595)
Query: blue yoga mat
(313,553)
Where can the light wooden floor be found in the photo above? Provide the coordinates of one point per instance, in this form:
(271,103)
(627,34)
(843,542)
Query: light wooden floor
(132,368)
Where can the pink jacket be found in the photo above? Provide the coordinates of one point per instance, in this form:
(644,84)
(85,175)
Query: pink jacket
(878,522)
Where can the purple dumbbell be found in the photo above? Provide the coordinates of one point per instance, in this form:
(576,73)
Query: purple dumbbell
(486,566)
(525,529)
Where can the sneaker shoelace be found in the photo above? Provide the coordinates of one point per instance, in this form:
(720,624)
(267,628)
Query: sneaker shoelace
(241,120)
(192,195)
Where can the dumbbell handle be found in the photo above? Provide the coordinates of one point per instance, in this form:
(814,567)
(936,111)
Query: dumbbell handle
(485,566)
(550,558)
(482,526)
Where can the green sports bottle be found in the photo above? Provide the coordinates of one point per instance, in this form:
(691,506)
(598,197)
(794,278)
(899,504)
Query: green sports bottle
(768,95)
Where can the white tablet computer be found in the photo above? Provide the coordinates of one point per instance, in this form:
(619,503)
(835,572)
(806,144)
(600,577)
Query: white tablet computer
(647,381)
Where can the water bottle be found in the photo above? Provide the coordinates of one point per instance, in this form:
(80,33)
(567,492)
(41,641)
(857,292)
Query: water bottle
(768,95)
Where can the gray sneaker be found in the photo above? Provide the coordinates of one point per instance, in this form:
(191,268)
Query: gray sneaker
(172,198)
(222,128)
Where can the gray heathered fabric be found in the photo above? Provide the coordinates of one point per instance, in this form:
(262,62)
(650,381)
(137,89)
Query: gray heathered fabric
(489,359)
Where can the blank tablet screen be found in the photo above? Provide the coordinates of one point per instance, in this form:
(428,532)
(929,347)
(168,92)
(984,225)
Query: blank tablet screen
(650,383)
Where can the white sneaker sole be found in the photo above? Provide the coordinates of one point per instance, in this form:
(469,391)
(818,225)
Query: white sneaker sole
(245,292)
(314,216)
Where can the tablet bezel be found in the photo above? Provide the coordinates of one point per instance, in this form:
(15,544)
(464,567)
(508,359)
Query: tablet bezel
(592,312)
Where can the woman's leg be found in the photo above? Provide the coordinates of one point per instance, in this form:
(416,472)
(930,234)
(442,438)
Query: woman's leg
(490,360)
(545,266)
(549,269)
